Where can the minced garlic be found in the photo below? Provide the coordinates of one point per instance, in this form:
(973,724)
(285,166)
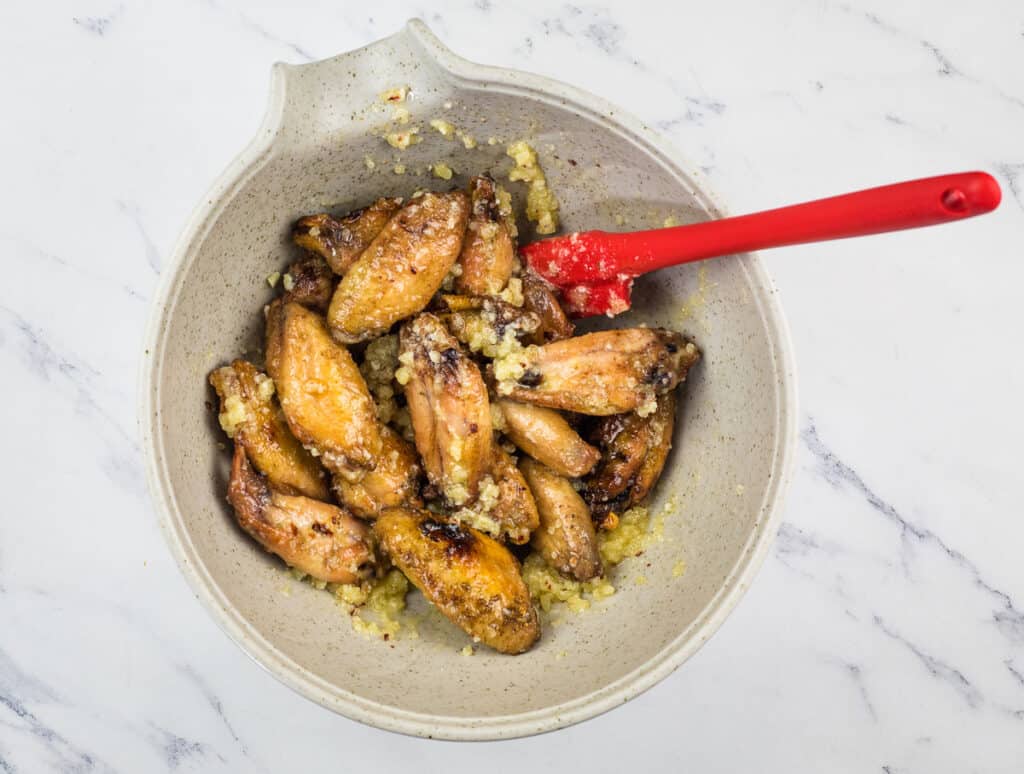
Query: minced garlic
(445,128)
(395,96)
(273,278)
(233,414)
(403,139)
(442,171)
(541,204)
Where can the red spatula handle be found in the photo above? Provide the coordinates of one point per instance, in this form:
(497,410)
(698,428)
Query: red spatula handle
(596,255)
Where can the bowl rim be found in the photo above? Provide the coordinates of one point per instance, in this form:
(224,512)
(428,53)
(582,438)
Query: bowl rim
(389,717)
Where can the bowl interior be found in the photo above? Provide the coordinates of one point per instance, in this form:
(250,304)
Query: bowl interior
(711,504)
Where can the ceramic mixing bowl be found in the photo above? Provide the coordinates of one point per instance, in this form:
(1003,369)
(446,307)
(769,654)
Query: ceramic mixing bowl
(320,147)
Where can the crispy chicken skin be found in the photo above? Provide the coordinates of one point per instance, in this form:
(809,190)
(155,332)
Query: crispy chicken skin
(402,268)
(341,241)
(515,510)
(540,299)
(449,408)
(544,434)
(633,454)
(322,393)
(566,538)
(488,254)
(623,441)
(470,577)
(608,372)
(395,481)
(250,416)
(311,283)
(320,539)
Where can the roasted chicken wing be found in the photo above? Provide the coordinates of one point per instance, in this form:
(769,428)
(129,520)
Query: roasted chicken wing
(608,372)
(341,241)
(515,510)
(250,416)
(309,282)
(470,577)
(540,299)
(402,268)
(566,538)
(314,537)
(544,434)
(448,404)
(633,454)
(323,395)
(488,254)
(394,481)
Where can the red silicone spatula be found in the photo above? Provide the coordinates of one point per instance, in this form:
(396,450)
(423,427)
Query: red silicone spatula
(594,270)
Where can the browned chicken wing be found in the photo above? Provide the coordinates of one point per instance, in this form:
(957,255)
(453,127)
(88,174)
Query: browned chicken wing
(515,510)
(608,372)
(249,415)
(470,577)
(544,434)
(314,537)
(540,299)
(395,481)
(309,282)
(488,254)
(634,450)
(341,241)
(323,395)
(566,538)
(402,268)
(448,404)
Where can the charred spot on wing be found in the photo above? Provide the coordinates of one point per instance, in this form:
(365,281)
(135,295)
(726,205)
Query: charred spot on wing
(458,539)
(658,376)
(530,378)
(450,356)
(320,529)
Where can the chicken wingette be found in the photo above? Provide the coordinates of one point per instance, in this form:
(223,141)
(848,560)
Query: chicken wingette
(341,241)
(399,272)
(449,408)
(320,539)
(322,393)
(249,415)
(565,538)
(470,577)
(608,372)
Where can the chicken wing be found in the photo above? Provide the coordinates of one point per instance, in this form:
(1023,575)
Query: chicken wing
(470,577)
(394,481)
(309,282)
(515,510)
(319,539)
(323,395)
(634,450)
(249,415)
(539,298)
(341,241)
(488,254)
(402,268)
(448,404)
(566,538)
(544,434)
(608,372)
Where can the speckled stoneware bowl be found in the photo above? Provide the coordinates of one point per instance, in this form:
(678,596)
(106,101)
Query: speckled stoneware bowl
(724,482)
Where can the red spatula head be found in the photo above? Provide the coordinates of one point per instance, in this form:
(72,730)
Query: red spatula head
(594,270)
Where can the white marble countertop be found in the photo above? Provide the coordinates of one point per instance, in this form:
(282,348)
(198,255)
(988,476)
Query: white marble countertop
(885,632)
